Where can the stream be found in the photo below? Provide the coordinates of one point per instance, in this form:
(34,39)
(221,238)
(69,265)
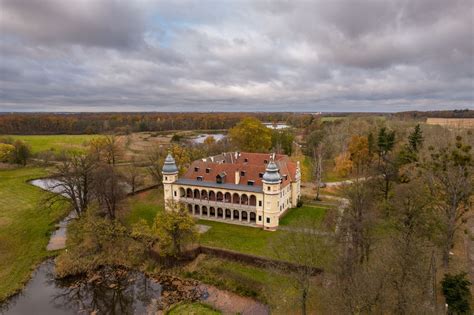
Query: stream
(113,290)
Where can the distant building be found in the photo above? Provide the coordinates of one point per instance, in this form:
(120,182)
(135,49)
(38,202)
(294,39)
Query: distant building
(238,187)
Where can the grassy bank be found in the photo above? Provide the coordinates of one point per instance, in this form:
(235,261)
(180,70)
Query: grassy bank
(267,285)
(24,227)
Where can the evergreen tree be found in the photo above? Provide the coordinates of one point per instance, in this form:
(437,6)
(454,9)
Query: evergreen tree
(457,293)
(415,139)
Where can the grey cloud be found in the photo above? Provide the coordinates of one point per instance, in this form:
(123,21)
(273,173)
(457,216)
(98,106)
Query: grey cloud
(245,55)
(108,23)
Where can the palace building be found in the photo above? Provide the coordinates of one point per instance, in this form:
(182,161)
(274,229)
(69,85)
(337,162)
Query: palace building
(254,189)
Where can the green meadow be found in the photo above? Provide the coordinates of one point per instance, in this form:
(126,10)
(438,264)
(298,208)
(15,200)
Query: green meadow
(25,226)
(56,143)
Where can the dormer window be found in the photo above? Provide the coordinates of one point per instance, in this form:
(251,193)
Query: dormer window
(208,170)
(250,183)
(199,178)
(285,176)
(196,169)
(242,173)
(265,161)
(220,178)
(260,175)
(246,160)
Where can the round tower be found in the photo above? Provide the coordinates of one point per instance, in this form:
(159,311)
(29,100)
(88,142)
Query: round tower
(170,175)
(271,189)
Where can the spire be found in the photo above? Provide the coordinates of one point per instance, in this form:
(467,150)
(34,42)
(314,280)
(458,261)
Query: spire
(272,174)
(170,165)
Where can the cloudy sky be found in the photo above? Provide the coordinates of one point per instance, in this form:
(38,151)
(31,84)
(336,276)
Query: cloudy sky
(230,55)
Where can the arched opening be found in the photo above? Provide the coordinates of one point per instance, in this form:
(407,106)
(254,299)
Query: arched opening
(212,211)
(190,209)
(228,213)
(220,213)
(252,217)
(212,196)
(244,216)
(244,200)
(236,198)
(197,194)
(227,197)
(220,196)
(182,192)
(204,195)
(204,210)
(253,200)
(196,210)
(236,215)
(189,193)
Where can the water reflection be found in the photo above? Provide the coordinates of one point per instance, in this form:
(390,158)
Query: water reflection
(107,292)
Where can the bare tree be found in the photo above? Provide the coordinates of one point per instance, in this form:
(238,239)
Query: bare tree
(358,220)
(307,246)
(133,176)
(109,189)
(156,157)
(449,174)
(410,250)
(74,180)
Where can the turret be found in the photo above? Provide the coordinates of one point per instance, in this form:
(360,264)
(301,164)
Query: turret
(271,180)
(170,175)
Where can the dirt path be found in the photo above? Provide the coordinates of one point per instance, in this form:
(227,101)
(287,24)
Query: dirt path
(231,303)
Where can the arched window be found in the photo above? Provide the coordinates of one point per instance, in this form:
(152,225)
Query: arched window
(190,209)
(227,197)
(182,192)
(204,195)
(212,196)
(253,200)
(189,193)
(197,194)
(196,210)
(236,198)
(204,210)
(244,216)
(212,211)
(252,217)
(228,214)
(244,200)
(220,196)
(220,213)
(236,215)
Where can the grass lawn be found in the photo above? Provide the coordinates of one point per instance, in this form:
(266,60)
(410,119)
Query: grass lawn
(144,206)
(251,240)
(24,227)
(306,212)
(192,309)
(71,143)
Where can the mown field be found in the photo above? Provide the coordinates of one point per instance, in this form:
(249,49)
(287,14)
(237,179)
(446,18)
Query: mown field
(25,226)
(57,143)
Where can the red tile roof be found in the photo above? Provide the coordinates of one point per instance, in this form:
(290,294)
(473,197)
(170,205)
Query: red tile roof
(252,164)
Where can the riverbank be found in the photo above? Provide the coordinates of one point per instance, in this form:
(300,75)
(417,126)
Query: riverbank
(25,227)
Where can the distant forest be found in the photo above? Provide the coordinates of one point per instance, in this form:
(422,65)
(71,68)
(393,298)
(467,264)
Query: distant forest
(91,123)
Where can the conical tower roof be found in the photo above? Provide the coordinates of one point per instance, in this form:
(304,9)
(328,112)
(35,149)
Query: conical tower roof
(272,174)
(170,165)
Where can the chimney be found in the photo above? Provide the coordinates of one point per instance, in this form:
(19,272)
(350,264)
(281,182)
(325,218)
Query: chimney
(237,177)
